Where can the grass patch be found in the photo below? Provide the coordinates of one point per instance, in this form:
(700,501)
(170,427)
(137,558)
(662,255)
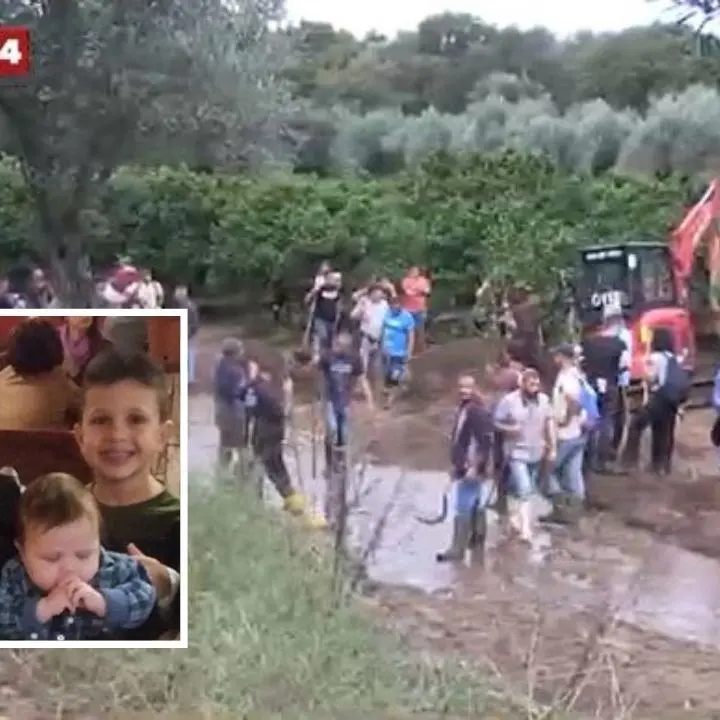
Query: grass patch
(266,641)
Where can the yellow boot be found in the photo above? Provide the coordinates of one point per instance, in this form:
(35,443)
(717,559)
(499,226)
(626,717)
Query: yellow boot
(294,504)
(316,521)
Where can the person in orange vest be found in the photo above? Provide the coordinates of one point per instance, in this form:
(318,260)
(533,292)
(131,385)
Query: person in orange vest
(416,288)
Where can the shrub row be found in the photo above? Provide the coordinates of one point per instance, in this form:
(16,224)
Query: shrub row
(464,215)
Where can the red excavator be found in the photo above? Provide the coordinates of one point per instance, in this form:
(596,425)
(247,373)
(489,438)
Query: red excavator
(656,283)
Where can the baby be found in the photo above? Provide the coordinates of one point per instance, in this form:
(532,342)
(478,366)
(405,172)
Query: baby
(64,585)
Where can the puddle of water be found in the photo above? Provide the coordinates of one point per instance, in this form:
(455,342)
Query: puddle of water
(656,586)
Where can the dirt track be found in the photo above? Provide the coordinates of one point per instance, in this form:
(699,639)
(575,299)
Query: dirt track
(610,599)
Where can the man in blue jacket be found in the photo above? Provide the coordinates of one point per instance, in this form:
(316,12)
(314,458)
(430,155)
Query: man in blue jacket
(470,452)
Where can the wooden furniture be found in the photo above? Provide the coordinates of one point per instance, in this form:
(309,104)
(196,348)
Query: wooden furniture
(37,452)
(164,341)
(163,337)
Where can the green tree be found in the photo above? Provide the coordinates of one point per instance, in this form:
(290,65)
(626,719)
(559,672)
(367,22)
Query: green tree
(111,75)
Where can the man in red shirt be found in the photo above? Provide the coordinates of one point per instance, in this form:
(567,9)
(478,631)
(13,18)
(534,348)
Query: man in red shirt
(416,289)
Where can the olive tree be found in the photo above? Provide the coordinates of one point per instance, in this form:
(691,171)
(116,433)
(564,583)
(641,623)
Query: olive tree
(112,77)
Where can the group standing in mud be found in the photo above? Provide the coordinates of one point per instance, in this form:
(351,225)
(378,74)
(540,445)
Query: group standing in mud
(546,442)
(519,440)
(371,343)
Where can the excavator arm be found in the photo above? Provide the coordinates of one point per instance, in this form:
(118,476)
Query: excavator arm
(690,233)
(700,225)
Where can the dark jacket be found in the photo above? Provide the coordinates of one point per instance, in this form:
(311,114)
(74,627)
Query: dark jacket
(471,440)
(230,381)
(263,404)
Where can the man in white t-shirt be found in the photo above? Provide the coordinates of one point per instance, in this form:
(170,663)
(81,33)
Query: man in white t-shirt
(370,312)
(566,488)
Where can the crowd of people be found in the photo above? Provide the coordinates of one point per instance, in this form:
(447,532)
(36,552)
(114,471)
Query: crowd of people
(124,287)
(369,344)
(96,557)
(534,432)
(522,440)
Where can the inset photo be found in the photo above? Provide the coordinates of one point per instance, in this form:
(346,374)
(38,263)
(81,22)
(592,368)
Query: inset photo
(93,516)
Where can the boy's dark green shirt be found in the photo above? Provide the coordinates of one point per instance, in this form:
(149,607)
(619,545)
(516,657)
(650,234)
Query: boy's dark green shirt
(153,527)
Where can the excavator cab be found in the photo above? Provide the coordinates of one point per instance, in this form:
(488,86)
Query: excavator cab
(636,276)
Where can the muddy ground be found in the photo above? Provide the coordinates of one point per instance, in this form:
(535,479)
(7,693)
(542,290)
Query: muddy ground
(623,612)
(684,509)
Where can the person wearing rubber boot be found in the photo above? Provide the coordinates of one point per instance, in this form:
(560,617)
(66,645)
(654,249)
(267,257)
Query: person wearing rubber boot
(266,408)
(566,484)
(470,454)
(524,418)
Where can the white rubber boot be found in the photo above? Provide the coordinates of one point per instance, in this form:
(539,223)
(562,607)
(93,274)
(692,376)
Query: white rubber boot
(512,520)
(524,514)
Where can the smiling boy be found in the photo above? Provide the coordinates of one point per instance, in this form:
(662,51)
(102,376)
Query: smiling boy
(125,425)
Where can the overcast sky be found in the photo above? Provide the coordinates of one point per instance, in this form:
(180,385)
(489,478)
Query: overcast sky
(563,17)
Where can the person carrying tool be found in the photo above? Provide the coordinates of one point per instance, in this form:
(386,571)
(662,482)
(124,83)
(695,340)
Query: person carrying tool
(340,369)
(325,302)
(266,408)
(470,455)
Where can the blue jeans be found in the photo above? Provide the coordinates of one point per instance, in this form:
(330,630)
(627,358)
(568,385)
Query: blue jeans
(523,478)
(600,440)
(567,475)
(336,424)
(471,493)
(419,317)
(191,360)
(394,369)
(323,332)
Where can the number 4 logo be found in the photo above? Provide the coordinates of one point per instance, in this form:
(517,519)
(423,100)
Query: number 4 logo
(15,51)
(10,52)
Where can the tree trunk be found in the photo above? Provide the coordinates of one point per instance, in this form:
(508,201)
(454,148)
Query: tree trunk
(62,251)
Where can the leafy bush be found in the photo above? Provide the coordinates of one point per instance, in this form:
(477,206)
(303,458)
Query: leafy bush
(461,214)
